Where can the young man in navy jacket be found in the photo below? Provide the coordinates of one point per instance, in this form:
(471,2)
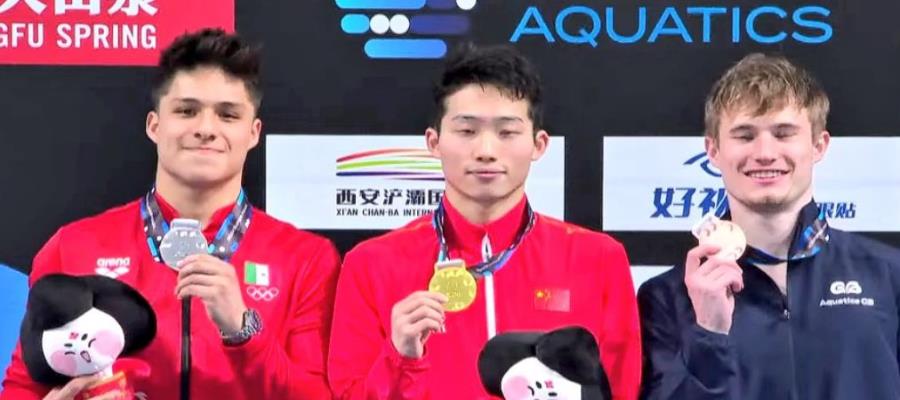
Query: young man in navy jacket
(808,311)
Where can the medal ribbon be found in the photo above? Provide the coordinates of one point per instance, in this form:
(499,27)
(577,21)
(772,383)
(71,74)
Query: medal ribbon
(810,237)
(227,238)
(493,263)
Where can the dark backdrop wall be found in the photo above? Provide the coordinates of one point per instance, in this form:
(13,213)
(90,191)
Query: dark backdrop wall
(74,143)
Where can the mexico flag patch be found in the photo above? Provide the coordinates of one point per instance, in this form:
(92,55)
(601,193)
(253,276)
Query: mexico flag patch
(256,274)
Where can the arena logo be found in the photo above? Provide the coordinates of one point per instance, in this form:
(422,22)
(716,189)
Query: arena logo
(767,24)
(405,29)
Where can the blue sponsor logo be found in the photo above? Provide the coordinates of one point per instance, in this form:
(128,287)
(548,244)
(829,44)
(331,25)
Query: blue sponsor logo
(405,29)
(691,202)
(703,162)
(838,210)
(694,202)
(589,26)
(684,202)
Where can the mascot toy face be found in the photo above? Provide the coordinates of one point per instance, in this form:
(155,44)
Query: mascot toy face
(563,364)
(530,379)
(87,345)
(82,325)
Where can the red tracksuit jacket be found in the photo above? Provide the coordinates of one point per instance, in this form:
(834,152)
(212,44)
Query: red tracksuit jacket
(560,275)
(285,361)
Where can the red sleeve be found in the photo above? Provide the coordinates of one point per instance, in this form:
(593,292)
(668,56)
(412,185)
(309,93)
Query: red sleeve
(294,368)
(18,384)
(362,362)
(620,341)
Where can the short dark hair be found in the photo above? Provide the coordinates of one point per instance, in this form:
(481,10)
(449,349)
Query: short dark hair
(210,48)
(502,67)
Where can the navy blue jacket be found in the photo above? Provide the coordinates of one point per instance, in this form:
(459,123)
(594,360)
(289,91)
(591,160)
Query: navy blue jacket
(833,336)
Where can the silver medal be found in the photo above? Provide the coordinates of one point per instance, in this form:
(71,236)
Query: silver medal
(183,239)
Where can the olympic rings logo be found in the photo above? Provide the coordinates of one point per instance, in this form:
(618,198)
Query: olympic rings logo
(262,293)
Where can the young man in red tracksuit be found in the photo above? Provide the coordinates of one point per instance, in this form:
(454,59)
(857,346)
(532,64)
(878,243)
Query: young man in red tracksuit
(393,339)
(260,304)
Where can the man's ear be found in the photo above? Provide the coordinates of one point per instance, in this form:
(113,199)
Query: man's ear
(712,150)
(541,143)
(820,145)
(432,139)
(152,126)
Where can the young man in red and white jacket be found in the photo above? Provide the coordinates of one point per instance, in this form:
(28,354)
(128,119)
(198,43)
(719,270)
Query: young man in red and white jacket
(393,339)
(260,303)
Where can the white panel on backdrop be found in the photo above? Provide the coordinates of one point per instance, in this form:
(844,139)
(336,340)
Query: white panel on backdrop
(642,273)
(667,183)
(376,182)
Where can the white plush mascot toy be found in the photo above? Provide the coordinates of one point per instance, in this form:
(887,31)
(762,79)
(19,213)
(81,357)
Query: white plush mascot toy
(81,325)
(560,365)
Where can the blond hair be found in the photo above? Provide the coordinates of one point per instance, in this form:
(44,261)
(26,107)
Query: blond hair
(764,83)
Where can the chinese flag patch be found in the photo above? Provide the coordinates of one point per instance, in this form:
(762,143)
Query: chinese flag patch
(552,299)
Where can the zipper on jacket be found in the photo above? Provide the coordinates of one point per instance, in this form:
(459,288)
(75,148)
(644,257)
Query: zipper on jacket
(786,318)
(491,312)
(489,304)
(786,315)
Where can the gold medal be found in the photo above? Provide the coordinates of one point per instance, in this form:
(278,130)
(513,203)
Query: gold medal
(453,280)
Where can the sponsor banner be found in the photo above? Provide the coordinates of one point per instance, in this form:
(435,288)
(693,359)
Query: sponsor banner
(101,32)
(376,182)
(667,183)
(425,29)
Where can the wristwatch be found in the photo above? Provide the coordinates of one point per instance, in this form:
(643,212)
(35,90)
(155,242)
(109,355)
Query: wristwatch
(250,326)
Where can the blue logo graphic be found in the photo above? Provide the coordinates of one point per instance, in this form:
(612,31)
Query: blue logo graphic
(838,210)
(688,201)
(580,25)
(403,29)
(704,164)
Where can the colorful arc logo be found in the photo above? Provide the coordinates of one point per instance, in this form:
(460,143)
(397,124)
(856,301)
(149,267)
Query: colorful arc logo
(397,164)
(403,29)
